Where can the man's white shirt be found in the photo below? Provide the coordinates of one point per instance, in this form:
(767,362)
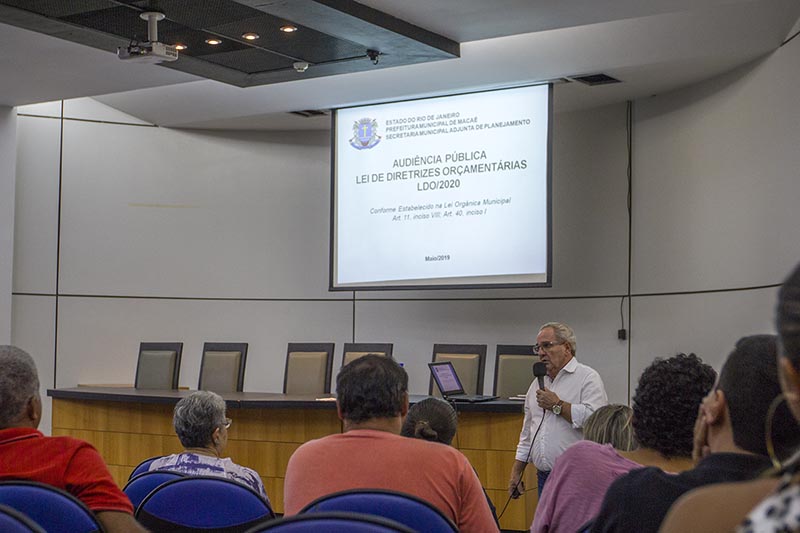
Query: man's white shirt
(577,384)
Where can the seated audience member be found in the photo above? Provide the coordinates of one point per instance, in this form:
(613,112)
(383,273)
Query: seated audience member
(63,462)
(662,427)
(202,428)
(435,420)
(372,399)
(611,424)
(729,436)
(773,502)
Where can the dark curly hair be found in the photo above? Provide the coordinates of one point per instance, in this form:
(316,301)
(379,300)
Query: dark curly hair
(372,386)
(666,401)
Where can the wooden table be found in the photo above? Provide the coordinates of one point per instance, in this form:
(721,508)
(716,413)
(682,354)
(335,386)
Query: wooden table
(128,425)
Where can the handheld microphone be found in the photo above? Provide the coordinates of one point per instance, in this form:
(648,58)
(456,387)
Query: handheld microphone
(540,370)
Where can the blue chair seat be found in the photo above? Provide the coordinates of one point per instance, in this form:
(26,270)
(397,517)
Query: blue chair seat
(139,487)
(12,521)
(407,509)
(53,509)
(143,467)
(202,503)
(334,522)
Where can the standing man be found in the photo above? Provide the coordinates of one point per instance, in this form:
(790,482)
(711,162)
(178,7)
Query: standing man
(555,414)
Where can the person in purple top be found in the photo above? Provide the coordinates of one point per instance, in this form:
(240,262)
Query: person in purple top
(202,428)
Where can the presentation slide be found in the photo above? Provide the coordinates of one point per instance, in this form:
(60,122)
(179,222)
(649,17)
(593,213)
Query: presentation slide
(442,192)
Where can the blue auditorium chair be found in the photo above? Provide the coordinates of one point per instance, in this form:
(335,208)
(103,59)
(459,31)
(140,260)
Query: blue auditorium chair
(55,510)
(12,521)
(407,509)
(137,488)
(334,522)
(142,467)
(198,503)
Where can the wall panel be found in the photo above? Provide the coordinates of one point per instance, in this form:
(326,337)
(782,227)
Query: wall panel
(706,324)
(98,338)
(159,212)
(716,182)
(36,220)
(33,330)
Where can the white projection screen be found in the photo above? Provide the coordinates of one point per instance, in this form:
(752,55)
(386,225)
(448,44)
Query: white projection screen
(445,192)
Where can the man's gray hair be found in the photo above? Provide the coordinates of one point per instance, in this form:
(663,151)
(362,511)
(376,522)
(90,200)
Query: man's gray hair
(563,333)
(19,382)
(197,416)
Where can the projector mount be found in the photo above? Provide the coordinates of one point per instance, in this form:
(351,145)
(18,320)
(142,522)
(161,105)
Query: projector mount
(151,51)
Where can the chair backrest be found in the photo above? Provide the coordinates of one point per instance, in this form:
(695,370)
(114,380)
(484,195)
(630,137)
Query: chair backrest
(143,467)
(469,360)
(308,368)
(513,369)
(198,502)
(407,509)
(354,350)
(55,510)
(159,365)
(333,522)
(139,487)
(222,366)
(12,521)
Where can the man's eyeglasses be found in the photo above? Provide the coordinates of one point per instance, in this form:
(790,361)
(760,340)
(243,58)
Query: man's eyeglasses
(538,348)
(227,423)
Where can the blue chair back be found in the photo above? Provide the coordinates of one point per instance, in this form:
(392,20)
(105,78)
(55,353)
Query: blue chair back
(335,522)
(190,504)
(143,484)
(407,509)
(55,510)
(143,467)
(12,521)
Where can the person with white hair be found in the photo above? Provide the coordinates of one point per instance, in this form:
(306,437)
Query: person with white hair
(202,428)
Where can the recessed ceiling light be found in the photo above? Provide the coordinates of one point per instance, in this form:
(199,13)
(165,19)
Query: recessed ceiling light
(213,41)
(250,36)
(180,46)
(288,28)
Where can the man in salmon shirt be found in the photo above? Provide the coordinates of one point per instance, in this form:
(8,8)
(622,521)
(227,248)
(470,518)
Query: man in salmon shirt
(372,400)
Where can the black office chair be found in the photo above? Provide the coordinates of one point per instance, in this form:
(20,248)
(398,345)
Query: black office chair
(354,350)
(222,366)
(469,360)
(513,369)
(159,365)
(309,366)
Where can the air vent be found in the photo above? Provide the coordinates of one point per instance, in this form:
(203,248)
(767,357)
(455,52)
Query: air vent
(595,79)
(309,113)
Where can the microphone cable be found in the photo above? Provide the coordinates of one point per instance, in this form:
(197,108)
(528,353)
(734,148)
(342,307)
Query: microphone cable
(528,458)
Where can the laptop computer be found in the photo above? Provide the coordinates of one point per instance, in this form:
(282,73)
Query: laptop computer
(450,386)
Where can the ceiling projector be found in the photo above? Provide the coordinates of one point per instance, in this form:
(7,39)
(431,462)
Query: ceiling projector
(147,52)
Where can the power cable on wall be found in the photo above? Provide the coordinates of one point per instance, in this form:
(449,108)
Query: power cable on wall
(58,242)
(629,130)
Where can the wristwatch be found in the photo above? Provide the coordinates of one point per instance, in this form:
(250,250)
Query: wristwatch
(557,407)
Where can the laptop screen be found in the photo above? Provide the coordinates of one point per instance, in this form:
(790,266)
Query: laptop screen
(446,378)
